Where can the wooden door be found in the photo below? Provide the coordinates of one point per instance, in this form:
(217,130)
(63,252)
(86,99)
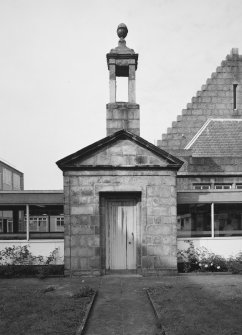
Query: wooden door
(121,234)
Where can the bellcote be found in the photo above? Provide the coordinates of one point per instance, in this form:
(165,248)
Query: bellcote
(122,62)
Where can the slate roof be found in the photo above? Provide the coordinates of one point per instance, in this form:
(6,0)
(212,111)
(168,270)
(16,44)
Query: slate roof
(218,138)
(68,161)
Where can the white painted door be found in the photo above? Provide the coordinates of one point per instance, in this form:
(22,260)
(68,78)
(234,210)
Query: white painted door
(121,234)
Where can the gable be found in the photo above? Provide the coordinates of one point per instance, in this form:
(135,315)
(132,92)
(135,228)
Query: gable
(122,153)
(214,100)
(121,149)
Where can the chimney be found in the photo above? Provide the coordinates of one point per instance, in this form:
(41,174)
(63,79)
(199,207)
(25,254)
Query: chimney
(122,62)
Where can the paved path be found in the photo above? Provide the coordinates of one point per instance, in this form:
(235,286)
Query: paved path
(121,308)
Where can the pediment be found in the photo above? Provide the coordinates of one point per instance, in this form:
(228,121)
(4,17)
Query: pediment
(122,149)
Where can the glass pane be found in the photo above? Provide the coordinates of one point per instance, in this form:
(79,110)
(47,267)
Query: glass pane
(38,224)
(194,220)
(56,223)
(16,182)
(42,224)
(228,219)
(21,222)
(7,217)
(201,186)
(7,177)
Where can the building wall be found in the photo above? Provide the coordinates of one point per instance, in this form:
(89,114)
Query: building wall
(10,178)
(214,100)
(83,240)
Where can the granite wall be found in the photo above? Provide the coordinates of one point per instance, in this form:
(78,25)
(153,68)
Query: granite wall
(85,224)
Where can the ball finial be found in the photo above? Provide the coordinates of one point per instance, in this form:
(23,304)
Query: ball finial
(122,31)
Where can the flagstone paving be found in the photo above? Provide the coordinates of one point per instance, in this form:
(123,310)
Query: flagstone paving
(122,307)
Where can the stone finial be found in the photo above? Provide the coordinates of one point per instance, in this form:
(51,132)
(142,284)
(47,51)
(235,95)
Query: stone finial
(122,31)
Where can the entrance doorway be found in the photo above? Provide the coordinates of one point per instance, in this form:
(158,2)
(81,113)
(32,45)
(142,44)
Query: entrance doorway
(121,230)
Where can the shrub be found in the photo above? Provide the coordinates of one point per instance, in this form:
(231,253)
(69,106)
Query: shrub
(19,255)
(18,261)
(200,259)
(84,291)
(235,263)
(40,271)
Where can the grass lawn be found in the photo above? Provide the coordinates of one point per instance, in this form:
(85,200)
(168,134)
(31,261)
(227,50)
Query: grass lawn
(26,308)
(196,305)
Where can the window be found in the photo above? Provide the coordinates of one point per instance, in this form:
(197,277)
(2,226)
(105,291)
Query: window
(57,223)
(45,222)
(235,96)
(6,222)
(7,179)
(16,181)
(222,186)
(239,186)
(201,186)
(38,223)
(60,223)
(194,220)
(227,219)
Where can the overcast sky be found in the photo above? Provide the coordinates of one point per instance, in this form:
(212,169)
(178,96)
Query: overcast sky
(54,77)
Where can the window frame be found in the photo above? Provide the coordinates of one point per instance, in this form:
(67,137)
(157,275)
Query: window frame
(219,186)
(205,186)
(213,231)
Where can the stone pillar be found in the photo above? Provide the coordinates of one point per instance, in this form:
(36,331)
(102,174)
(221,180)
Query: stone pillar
(112,83)
(131,91)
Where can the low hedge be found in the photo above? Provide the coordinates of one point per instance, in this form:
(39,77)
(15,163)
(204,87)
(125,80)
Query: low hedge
(40,271)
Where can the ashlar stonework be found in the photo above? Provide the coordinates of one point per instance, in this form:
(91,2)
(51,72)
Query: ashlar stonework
(121,166)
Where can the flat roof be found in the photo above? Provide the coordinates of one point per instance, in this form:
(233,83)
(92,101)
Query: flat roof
(34,197)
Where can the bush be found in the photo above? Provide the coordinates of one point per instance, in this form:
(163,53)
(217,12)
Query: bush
(19,255)
(200,259)
(18,261)
(235,263)
(84,291)
(40,271)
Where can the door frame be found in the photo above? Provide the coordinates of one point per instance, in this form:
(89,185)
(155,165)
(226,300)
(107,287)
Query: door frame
(103,200)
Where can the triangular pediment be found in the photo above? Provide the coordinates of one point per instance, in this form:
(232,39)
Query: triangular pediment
(121,149)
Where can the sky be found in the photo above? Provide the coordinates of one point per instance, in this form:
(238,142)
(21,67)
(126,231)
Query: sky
(54,78)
